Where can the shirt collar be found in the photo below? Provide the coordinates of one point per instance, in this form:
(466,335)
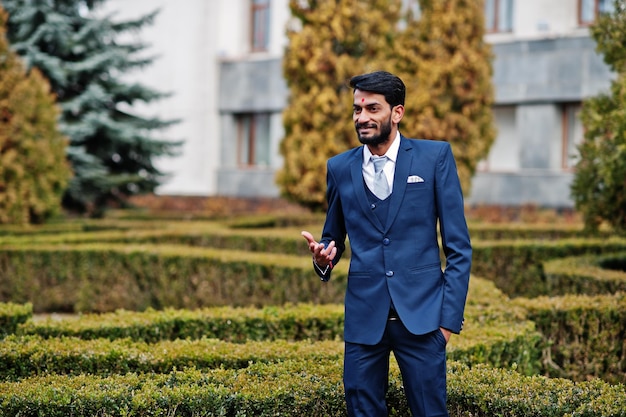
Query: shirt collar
(392,152)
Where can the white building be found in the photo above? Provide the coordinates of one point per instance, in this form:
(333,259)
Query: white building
(221,59)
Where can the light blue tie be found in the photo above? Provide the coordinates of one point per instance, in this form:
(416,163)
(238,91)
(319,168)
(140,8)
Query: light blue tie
(381,186)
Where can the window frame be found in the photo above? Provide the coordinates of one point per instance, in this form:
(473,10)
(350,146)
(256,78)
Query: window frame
(596,11)
(570,143)
(495,27)
(259,25)
(248,127)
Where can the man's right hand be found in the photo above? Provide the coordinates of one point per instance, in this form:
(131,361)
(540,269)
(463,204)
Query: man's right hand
(321,255)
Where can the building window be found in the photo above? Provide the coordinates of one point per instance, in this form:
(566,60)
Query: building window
(504,155)
(253,139)
(499,15)
(572,134)
(260,25)
(589,10)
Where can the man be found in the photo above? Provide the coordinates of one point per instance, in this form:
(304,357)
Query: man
(397,298)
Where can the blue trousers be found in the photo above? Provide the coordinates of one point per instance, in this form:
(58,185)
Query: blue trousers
(422,362)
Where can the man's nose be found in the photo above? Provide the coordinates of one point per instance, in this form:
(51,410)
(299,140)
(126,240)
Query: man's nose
(362,117)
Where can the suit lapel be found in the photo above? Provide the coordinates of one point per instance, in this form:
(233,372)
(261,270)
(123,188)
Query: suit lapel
(403,166)
(358,184)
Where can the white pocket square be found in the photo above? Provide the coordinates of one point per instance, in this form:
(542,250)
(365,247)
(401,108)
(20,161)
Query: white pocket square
(414,178)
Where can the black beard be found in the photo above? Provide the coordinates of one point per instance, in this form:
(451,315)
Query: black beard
(382,137)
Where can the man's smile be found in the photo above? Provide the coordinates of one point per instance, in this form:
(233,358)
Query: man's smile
(365,127)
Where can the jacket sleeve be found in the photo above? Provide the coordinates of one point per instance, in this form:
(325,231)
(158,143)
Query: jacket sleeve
(455,241)
(334,226)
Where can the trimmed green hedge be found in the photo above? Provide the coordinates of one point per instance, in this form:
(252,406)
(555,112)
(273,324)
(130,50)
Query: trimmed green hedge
(485,391)
(199,234)
(231,324)
(77,277)
(106,277)
(22,357)
(294,388)
(585,275)
(616,262)
(586,335)
(12,315)
(517,266)
(496,333)
(299,388)
(529,231)
(195,261)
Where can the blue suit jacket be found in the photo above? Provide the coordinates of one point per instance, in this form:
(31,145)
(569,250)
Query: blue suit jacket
(400,260)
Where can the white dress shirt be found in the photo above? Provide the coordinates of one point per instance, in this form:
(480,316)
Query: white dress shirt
(390,166)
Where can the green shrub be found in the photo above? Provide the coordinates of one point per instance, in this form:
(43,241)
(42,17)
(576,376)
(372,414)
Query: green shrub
(33,168)
(231,324)
(298,388)
(599,185)
(26,356)
(12,315)
(106,277)
(615,261)
(587,275)
(586,335)
(482,391)
(517,266)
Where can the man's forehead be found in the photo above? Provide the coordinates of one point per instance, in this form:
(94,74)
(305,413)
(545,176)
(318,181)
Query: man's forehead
(367,99)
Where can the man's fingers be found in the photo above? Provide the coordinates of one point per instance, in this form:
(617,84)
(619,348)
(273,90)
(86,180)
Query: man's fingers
(329,249)
(319,251)
(308,236)
(330,252)
(315,247)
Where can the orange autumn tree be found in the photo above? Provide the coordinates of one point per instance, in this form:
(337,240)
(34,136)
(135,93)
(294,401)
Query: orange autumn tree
(33,168)
(329,42)
(446,65)
(440,54)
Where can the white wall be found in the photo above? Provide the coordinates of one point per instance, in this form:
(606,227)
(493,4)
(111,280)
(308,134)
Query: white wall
(183,37)
(230,40)
(534,19)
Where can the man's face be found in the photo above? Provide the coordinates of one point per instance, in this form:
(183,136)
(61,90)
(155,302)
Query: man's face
(372,117)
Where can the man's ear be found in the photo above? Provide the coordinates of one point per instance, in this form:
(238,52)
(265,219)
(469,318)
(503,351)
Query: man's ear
(397,112)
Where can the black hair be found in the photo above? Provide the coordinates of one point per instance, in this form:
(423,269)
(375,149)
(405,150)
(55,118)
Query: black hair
(381,82)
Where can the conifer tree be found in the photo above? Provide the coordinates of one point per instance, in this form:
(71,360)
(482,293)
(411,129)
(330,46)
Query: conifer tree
(329,42)
(33,167)
(599,185)
(112,149)
(446,65)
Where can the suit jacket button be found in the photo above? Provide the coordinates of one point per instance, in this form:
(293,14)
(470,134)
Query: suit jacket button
(389,274)
(372,206)
(386,241)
